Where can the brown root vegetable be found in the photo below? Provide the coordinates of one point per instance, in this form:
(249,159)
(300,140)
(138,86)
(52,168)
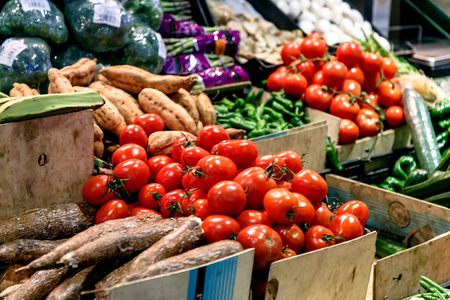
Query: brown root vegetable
(161,142)
(174,115)
(100,77)
(58,83)
(124,102)
(192,258)
(24,251)
(99,147)
(87,236)
(81,72)
(199,127)
(115,277)
(12,277)
(51,223)
(184,98)
(134,80)
(22,90)
(120,243)
(38,285)
(235,134)
(205,109)
(179,240)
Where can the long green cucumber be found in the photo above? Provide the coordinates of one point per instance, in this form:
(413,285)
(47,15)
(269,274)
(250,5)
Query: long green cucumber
(25,108)
(433,186)
(385,247)
(440,199)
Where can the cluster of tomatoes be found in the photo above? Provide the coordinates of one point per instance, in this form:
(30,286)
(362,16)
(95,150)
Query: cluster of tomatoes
(269,202)
(351,85)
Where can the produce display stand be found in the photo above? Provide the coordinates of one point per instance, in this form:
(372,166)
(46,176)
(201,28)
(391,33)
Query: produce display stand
(396,276)
(45,161)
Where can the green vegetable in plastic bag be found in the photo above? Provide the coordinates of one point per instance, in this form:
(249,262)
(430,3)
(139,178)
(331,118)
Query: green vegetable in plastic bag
(148,12)
(99,25)
(24,60)
(69,56)
(39,18)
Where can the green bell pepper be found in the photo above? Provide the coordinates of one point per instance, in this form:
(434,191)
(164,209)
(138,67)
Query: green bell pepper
(392,184)
(415,177)
(404,166)
(331,157)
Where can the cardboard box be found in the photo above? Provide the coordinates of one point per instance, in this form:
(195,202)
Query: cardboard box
(226,279)
(396,276)
(45,161)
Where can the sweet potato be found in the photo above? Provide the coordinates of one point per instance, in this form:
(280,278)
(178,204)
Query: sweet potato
(24,251)
(100,77)
(134,80)
(174,115)
(124,102)
(99,147)
(120,243)
(205,109)
(199,127)
(12,277)
(58,83)
(192,258)
(22,90)
(161,142)
(50,223)
(87,236)
(184,98)
(81,72)
(235,134)
(179,240)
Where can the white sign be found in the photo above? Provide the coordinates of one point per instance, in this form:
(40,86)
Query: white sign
(28,5)
(10,50)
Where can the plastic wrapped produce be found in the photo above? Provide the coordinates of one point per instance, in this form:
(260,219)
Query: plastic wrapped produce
(39,18)
(171,27)
(99,25)
(145,49)
(148,12)
(220,76)
(69,56)
(24,60)
(194,63)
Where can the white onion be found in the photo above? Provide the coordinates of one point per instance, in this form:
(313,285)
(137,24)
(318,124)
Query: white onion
(367,27)
(358,33)
(295,9)
(304,4)
(307,26)
(326,13)
(284,7)
(323,25)
(332,3)
(333,37)
(383,42)
(356,16)
(345,7)
(347,25)
(316,9)
(309,16)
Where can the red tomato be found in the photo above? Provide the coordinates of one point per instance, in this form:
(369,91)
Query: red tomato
(334,73)
(351,86)
(306,68)
(286,253)
(310,184)
(356,74)
(216,168)
(304,210)
(226,198)
(313,48)
(315,35)
(368,122)
(150,123)
(371,63)
(275,81)
(395,116)
(388,94)
(189,199)
(266,241)
(284,185)
(129,151)
(279,204)
(200,209)
(142,211)
(348,132)
(191,155)
(135,173)
(372,98)
(256,183)
(190,181)
(294,85)
(211,135)
(150,195)
(132,206)
(180,144)
(133,134)
(96,191)
(322,215)
(389,67)
(156,163)
(344,107)
(242,152)
(171,204)
(346,226)
(273,162)
(251,217)
(290,52)
(316,98)
(292,236)
(357,208)
(112,210)
(292,161)
(171,176)
(220,227)
(370,82)
(318,237)
(349,53)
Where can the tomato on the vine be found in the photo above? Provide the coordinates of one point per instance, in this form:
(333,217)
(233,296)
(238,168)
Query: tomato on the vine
(96,191)
(357,208)
(294,85)
(318,237)
(171,204)
(348,132)
(112,210)
(292,161)
(292,236)
(344,107)
(368,122)
(190,180)
(256,183)
(129,151)
(334,73)
(356,74)
(211,135)
(189,199)
(371,62)
(313,48)
(395,116)
(272,163)
(133,134)
(279,204)
(346,226)
(213,169)
(310,184)
(304,210)
(351,86)
(135,173)
(191,155)
(226,198)
(389,67)
(171,176)
(286,253)
(150,195)
(200,209)
(150,123)
(275,81)
(156,163)
(306,68)
(316,98)
(182,143)
(322,215)
(220,227)
(370,82)
(349,53)
(372,98)
(388,94)
(290,52)
(242,152)
(251,217)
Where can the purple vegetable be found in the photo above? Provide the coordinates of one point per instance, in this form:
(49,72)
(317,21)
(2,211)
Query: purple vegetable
(170,27)
(194,63)
(220,76)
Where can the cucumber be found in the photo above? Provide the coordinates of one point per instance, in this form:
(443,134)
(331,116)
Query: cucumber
(415,177)
(433,186)
(440,199)
(385,247)
(445,163)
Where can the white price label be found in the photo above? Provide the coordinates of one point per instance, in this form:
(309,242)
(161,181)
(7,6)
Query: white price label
(106,14)
(9,51)
(28,5)
(162,51)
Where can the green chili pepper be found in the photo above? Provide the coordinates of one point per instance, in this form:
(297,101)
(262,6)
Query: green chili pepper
(444,124)
(442,139)
(228,115)
(286,102)
(404,166)
(258,96)
(261,123)
(242,123)
(275,116)
(271,130)
(221,109)
(255,133)
(228,103)
(223,121)
(392,184)
(296,121)
(331,157)
(278,106)
(445,153)
(250,110)
(240,102)
(224,125)
(250,97)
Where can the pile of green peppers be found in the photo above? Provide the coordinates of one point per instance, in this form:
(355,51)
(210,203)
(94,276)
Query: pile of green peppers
(440,115)
(277,114)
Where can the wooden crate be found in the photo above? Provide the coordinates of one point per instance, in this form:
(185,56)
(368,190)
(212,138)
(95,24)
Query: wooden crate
(396,276)
(45,161)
